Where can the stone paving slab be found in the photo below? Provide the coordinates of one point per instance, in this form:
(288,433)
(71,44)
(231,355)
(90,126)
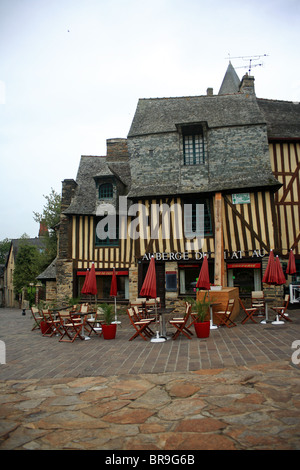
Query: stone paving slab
(236,390)
(254,407)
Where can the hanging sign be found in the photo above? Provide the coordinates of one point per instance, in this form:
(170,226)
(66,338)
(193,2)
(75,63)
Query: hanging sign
(242,198)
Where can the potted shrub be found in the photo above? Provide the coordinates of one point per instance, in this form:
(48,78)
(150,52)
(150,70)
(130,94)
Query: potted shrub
(108,328)
(201,310)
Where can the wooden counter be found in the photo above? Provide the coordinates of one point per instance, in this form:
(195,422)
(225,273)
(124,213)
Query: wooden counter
(222,296)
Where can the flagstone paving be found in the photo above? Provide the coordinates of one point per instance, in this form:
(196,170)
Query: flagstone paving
(239,389)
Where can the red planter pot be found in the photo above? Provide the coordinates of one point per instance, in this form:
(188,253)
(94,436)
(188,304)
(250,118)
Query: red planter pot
(109,331)
(202,329)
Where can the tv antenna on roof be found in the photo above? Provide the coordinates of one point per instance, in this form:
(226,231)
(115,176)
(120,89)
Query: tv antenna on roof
(249,58)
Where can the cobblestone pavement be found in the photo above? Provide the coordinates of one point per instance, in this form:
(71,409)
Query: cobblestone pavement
(238,389)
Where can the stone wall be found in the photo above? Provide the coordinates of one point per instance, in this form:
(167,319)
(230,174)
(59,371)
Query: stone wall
(64,280)
(64,236)
(51,291)
(64,263)
(133,283)
(157,160)
(116,149)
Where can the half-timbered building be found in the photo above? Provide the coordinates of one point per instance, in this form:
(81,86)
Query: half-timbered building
(233,155)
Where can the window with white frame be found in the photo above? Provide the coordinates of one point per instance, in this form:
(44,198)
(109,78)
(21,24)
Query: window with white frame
(193,145)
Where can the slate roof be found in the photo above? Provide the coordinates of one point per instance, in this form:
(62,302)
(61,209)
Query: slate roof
(49,273)
(91,167)
(162,114)
(282,117)
(231,82)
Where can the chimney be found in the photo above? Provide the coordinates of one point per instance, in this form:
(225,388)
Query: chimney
(247,85)
(43,229)
(209,91)
(117,149)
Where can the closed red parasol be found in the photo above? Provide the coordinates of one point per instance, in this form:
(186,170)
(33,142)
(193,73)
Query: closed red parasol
(113,286)
(149,285)
(291,267)
(270,274)
(203,280)
(90,283)
(85,281)
(274,277)
(279,273)
(114,293)
(149,290)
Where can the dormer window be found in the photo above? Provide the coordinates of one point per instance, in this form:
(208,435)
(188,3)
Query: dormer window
(106,191)
(193,145)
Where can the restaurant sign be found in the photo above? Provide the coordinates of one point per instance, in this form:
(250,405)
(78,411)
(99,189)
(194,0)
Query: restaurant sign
(198,255)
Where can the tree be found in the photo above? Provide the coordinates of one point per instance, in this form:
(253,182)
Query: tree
(50,217)
(51,210)
(4,249)
(27,266)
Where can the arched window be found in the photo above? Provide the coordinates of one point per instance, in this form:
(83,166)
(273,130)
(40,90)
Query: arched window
(106,191)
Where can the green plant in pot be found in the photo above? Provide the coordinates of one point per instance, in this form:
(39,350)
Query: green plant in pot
(108,328)
(201,310)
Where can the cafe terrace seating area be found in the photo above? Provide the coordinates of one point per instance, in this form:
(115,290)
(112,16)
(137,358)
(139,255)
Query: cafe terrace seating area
(145,319)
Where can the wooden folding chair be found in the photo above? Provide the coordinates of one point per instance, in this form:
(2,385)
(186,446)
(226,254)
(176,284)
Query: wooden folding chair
(37,318)
(139,315)
(71,328)
(181,324)
(141,326)
(137,305)
(224,316)
(52,325)
(93,324)
(249,313)
(46,324)
(84,308)
(193,316)
(281,311)
(258,301)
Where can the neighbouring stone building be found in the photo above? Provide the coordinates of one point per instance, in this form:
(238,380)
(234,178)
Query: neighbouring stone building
(233,154)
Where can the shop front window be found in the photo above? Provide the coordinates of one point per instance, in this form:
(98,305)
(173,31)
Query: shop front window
(104,284)
(188,280)
(246,279)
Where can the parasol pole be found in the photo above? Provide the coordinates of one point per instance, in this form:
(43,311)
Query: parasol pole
(157,338)
(116,317)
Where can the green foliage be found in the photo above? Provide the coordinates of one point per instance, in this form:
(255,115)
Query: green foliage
(27,266)
(4,249)
(50,217)
(71,301)
(201,308)
(51,211)
(108,312)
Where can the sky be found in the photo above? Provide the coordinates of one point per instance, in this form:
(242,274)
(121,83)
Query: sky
(72,71)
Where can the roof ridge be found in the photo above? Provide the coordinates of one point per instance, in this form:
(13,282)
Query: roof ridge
(278,101)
